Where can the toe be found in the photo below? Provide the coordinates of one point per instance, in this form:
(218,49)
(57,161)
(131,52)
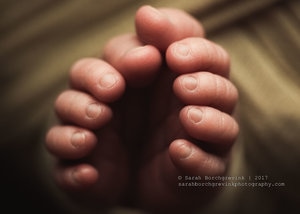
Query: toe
(98,78)
(161,27)
(76,177)
(198,54)
(70,142)
(138,63)
(206,89)
(82,109)
(209,125)
(192,160)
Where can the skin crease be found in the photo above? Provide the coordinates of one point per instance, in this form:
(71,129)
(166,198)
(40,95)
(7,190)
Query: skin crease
(172,119)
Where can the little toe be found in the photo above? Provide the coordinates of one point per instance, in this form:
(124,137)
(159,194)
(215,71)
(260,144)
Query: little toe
(138,63)
(101,176)
(76,177)
(192,160)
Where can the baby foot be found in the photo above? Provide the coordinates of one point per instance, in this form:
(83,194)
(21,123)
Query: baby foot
(93,143)
(191,130)
(186,136)
(192,134)
(89,162)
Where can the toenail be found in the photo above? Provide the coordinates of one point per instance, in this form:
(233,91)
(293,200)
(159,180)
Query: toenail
(108,81)
(75,176)
(190,83)
(77,139)
(93,110)
(195,115)
(185,151)
(154,10)
(136,50)
(182,49)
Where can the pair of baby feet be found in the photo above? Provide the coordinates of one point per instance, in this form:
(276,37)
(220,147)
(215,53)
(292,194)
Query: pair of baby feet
(157,106)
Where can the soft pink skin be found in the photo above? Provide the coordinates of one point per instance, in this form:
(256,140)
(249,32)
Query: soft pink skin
(190,129)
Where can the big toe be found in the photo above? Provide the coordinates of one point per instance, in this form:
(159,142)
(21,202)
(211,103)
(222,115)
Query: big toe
(161,27)
(138,63)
